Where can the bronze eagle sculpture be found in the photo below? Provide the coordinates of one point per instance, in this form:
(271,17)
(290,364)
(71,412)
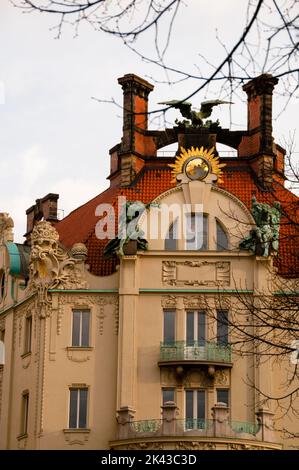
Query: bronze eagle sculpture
(196,117)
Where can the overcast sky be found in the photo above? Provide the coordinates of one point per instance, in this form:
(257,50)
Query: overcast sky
(53,136)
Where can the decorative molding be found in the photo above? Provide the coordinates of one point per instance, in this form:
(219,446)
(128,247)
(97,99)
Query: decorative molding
(26,360)
(236,201)
(168,377)
(235,446)
(22,441)
(51,266)
(88,301)
(202,273)
(116,316)
(20,328)
(78,354)
(145,446)
(195,301)
(27,309)
(196,378)
(76,436)
(194,445)
(2,324)
(169,301)
(222,377)
(167,193)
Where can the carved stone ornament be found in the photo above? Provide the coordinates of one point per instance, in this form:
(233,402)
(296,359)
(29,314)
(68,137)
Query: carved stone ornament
(50,265)
(195,445)
(145,446)
(6,228)
(221,377)
(77,436)
(196,273)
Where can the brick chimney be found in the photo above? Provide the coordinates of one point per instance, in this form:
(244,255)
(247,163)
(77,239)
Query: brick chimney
(45,208)
(135,143)
(258,140)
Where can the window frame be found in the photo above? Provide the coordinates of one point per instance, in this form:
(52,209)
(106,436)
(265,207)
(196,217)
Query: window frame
(170,238)
(2,284)
(78,389)
(221,226)
(222,342)
(80,335)
(168,389)
(24,413)
(219,389)
(28,335)
(195,406)
(165,311)
(196,330)
(205,239)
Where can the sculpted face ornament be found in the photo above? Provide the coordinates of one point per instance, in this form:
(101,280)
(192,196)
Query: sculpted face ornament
(196,164)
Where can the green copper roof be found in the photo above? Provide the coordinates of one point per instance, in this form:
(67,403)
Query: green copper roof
(14,258)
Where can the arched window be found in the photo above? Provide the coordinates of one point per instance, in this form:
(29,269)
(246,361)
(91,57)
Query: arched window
(197,232)
(171,239)
(221,238)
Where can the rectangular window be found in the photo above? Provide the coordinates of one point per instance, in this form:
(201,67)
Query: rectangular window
(195,409)
(167,395)
(222,327)
(2,348)
(28,335)
(196,328)
(196,232)
(223,396)
(78,408)
(81,324)
(25,413)
(172,237)
(169,326)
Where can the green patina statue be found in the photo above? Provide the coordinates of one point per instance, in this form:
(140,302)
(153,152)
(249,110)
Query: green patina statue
(128,229)
(195,118)
(263,239)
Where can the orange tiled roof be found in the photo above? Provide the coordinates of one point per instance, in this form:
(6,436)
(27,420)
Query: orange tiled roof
(79,225)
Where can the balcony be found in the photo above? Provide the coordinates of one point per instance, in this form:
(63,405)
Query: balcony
(183,353)
(218,433)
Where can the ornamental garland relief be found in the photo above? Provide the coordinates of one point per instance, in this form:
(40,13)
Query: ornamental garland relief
(196,273)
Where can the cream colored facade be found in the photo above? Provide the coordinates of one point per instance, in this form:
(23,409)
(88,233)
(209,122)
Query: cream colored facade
(117,361)
(121,367)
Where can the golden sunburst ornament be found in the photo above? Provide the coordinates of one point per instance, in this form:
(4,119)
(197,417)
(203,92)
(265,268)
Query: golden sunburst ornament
(197,163)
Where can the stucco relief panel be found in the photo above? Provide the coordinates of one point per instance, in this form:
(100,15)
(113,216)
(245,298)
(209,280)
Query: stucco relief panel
(196,273)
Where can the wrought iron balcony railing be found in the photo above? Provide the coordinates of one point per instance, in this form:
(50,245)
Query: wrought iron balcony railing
(195,351)
(220,429)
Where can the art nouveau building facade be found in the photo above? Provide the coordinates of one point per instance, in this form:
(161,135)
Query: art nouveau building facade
(137,351)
